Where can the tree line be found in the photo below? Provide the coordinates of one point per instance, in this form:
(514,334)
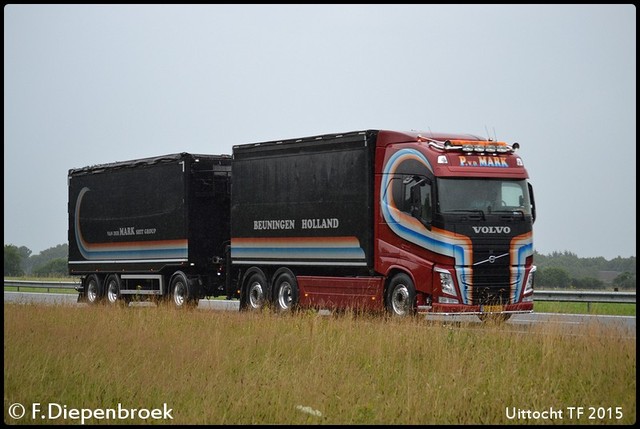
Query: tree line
(19,261)
(564,270)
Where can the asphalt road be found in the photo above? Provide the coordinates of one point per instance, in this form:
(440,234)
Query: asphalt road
(626,325)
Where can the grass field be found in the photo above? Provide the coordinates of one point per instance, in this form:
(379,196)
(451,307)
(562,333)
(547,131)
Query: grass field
(217,367)
(601,308)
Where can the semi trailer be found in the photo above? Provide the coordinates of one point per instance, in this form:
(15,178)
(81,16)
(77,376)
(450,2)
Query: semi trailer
(373,220)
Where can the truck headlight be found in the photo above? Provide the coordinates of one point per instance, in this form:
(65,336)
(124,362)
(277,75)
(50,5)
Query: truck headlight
(446,282)
(528,287)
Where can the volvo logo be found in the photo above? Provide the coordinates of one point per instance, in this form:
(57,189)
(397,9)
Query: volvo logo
(491,259)
(491,229)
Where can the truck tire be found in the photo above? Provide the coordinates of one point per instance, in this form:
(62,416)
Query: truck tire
(93,289)
(401,296)
(255,296)
(113,289)
(182,292)
(286,292)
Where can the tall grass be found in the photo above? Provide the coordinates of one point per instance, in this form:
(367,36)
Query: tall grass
(218,367)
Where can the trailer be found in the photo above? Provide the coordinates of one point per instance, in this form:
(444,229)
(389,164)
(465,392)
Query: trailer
(153,227)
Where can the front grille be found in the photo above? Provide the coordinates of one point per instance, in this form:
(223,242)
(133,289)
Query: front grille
(489,285)
(490,295)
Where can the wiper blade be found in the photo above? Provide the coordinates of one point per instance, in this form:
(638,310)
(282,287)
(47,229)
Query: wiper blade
(478,211)
(467,211)
(513,212)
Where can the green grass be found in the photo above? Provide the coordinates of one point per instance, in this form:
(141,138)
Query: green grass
(596,308)
(226,367)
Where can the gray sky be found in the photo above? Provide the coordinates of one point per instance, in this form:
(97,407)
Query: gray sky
(91,84)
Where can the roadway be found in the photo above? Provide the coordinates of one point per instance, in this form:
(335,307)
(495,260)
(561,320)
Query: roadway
(626,325)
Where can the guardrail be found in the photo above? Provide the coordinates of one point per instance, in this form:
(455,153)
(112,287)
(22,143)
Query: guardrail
(538,295)
(33,284)
(584,296)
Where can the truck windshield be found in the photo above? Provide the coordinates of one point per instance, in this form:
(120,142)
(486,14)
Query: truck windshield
(483,195)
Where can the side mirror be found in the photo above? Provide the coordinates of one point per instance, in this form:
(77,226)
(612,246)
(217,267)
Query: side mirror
(416,201)
(533,203)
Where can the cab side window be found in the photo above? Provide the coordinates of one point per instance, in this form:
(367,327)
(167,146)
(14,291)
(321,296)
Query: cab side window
(417,198)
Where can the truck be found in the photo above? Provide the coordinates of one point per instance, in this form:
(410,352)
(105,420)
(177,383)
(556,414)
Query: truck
(371,220)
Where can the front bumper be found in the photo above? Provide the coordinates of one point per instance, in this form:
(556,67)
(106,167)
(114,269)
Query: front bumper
(522,307)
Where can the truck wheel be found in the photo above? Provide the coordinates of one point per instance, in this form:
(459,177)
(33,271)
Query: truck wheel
(113,289)
(401,296)
(287,293)
(255,297)
(182,293)
(93,289)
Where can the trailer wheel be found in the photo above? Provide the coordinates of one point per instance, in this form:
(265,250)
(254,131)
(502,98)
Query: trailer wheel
(287,293)
(182,293)
(255,297)
(401,296)
(113,289)
(93,289)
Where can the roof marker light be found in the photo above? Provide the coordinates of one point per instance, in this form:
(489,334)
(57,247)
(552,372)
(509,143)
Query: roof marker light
(470,146)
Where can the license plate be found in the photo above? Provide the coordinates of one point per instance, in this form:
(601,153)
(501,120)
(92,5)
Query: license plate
(492,308)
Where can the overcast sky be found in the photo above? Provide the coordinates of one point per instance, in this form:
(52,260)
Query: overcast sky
(91,84)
